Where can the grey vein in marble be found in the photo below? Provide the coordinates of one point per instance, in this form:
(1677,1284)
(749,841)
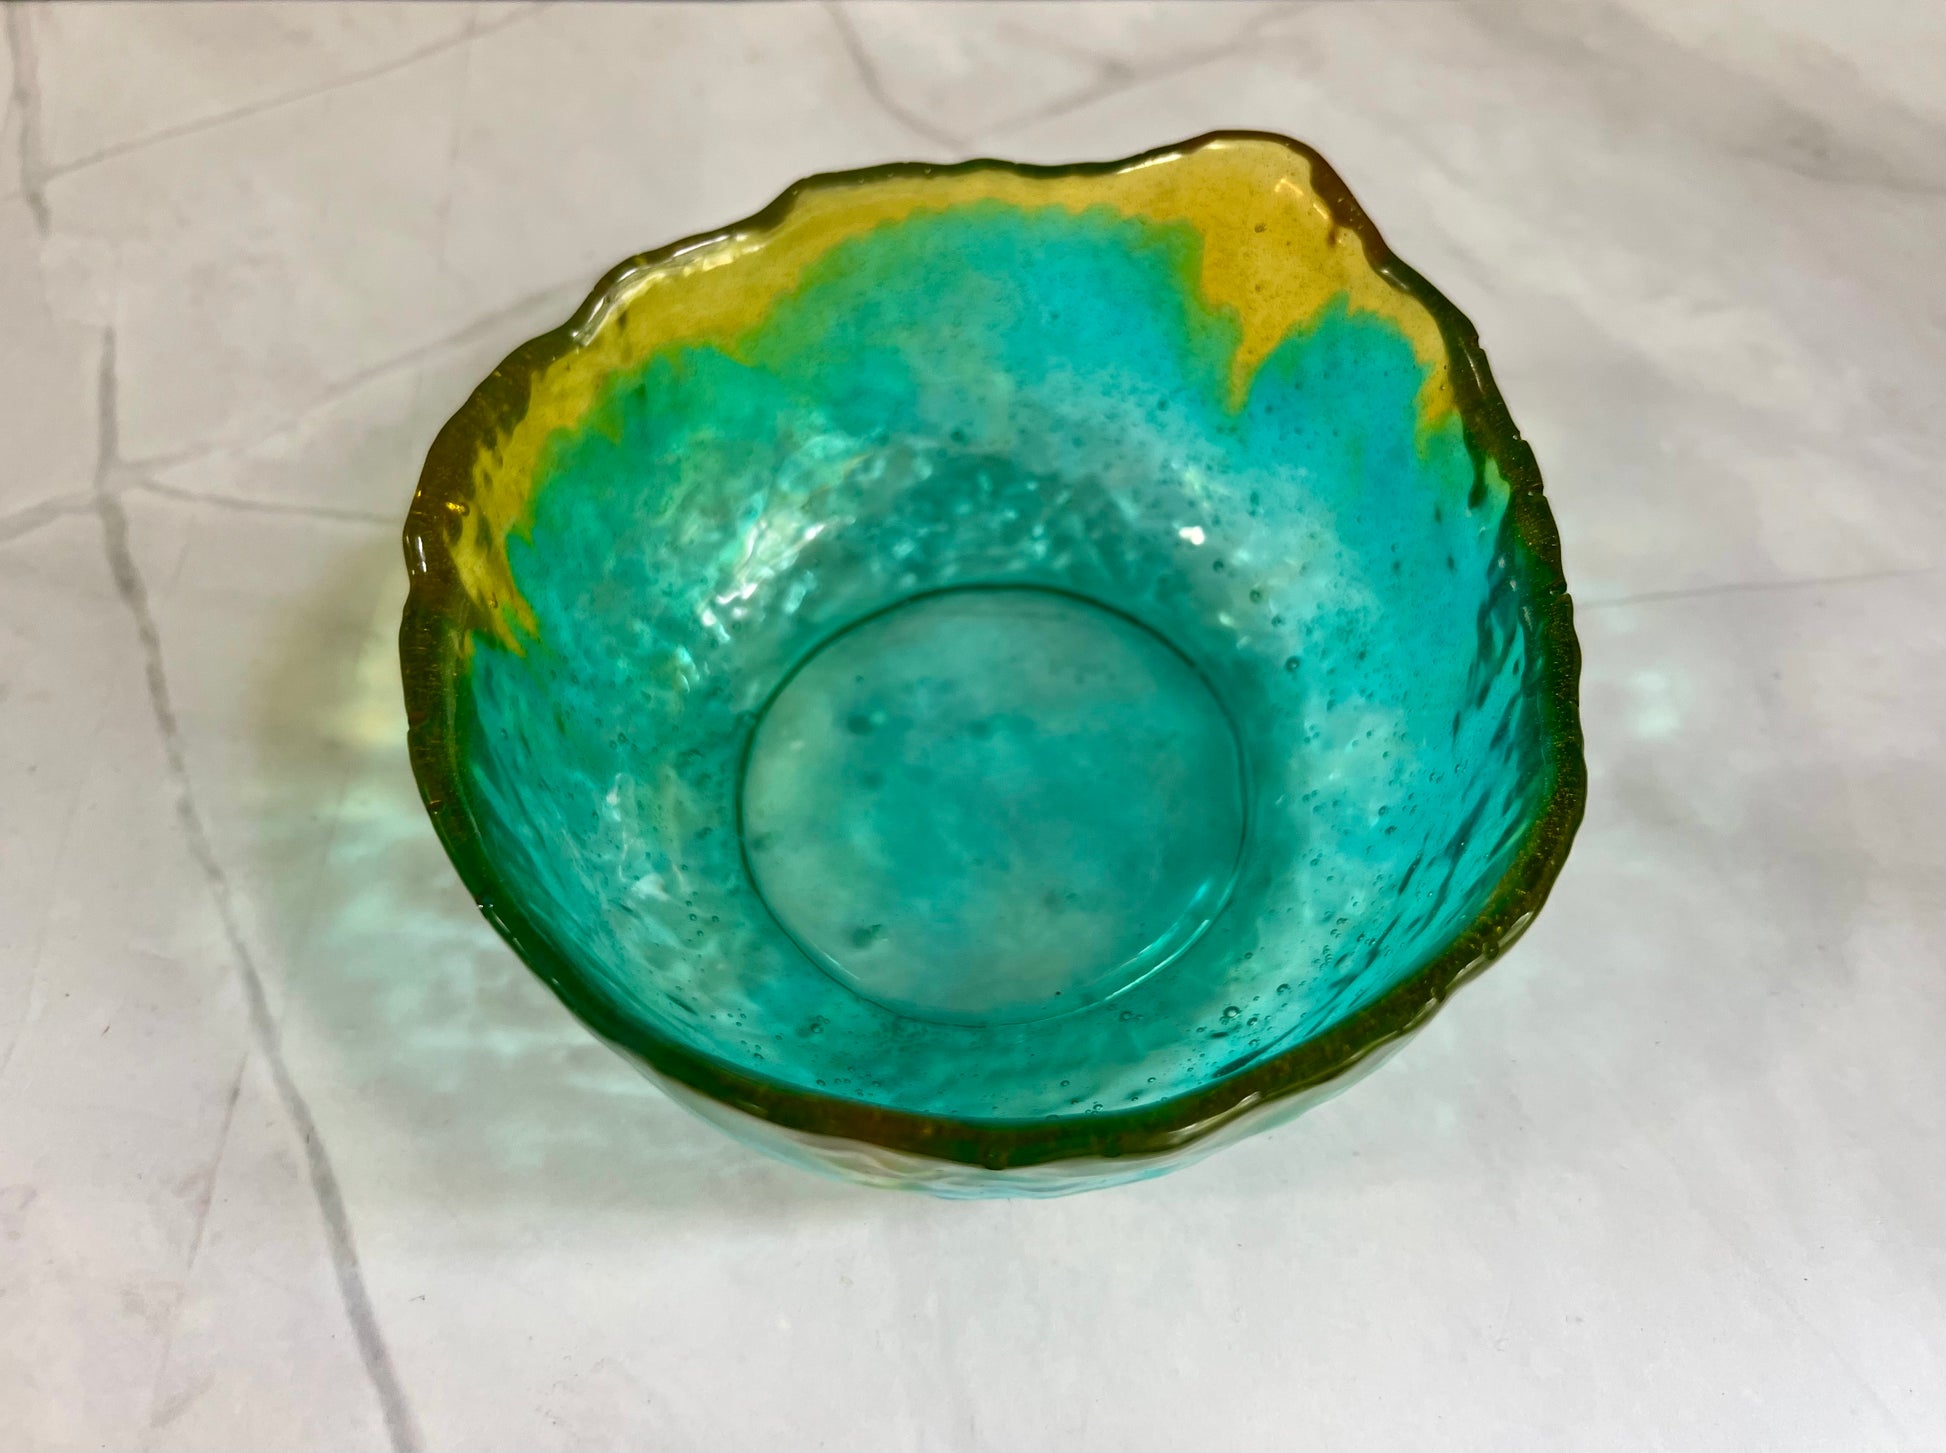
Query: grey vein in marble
(874,83)
(1744,587)
(264,1030)
(25,521)
(25,83)
(411,58)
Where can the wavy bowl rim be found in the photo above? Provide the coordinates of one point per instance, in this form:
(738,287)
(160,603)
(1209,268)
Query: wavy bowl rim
(438,615)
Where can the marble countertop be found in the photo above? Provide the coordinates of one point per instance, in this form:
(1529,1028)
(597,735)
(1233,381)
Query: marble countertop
(295,1155)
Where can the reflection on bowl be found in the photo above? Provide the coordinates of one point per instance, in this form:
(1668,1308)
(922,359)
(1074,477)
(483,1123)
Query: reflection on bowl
(999,678)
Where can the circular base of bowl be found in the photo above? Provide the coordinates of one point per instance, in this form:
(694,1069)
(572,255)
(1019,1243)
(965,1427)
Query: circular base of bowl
(993,804)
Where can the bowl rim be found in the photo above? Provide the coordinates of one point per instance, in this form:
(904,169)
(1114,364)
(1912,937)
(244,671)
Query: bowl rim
(439,615)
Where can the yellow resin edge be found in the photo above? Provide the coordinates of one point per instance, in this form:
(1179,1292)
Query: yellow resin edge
(1273,256)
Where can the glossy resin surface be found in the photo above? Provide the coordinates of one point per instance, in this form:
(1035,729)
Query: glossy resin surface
(984,676)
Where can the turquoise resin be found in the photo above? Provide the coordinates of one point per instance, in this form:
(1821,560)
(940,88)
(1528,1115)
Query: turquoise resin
(993,804)
(989,396)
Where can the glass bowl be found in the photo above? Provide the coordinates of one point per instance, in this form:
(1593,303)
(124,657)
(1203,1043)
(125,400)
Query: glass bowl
(1000,678)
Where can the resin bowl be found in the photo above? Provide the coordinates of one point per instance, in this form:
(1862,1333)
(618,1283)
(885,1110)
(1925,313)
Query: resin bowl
(1000,678)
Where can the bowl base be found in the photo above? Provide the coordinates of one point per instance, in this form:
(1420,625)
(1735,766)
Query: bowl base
(993,804)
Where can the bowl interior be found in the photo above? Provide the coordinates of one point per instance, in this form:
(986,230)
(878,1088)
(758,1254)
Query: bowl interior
(999,645)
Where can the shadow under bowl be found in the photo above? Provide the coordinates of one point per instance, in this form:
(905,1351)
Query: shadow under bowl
(1000,678)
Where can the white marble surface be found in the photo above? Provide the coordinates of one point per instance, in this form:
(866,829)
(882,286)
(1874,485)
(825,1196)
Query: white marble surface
(294,1155)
